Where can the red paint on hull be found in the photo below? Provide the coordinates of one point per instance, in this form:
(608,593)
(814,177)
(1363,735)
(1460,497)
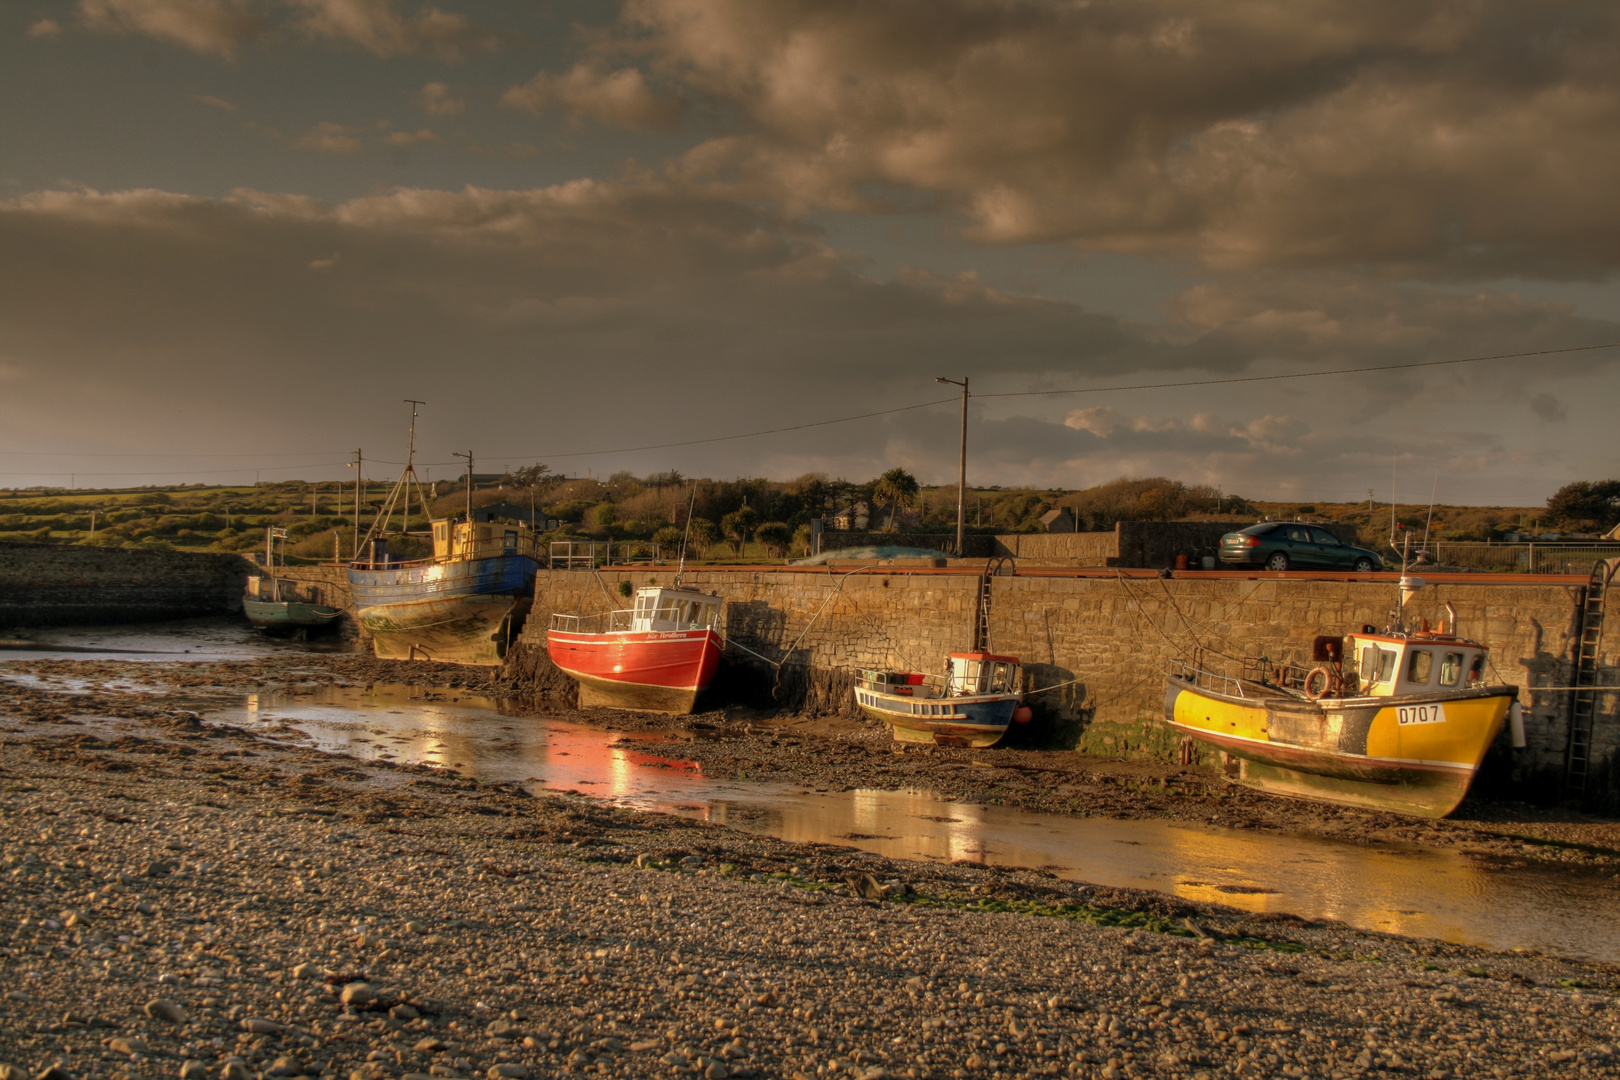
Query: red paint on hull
(656,671)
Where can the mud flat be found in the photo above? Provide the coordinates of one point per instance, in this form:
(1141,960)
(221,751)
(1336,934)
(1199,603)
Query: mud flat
(187,899)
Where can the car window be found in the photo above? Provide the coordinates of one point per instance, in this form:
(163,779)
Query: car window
(1303,536)
(1258,530)
(1418,668)
(1325,538)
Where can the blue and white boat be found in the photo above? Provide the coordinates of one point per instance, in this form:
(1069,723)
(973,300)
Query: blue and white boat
(972,704)
(465,605)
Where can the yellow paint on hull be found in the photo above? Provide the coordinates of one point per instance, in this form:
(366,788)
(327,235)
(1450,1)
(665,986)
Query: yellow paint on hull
(1356,751)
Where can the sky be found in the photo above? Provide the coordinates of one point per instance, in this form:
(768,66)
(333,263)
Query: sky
(235,235)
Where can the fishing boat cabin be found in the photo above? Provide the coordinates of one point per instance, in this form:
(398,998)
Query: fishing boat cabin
(1390,665)
(969,674)
(664,609)
(456,541)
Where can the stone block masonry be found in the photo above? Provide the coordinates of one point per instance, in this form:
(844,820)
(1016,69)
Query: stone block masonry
(1110,639)
(62,585)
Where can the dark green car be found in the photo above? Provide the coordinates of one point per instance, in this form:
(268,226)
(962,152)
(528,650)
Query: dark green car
(1289,545)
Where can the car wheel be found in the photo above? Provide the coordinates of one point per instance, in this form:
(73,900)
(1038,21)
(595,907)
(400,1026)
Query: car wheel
(1363,565)
(1278,561)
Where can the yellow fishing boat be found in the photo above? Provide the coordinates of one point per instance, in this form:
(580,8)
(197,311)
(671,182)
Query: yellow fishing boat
(1395,719)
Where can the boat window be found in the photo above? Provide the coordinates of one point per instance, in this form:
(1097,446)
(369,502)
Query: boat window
(1420,666)
(1369,664)
(1476,670)
(1451,668)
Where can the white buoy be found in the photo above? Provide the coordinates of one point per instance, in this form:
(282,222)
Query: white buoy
(1516,725)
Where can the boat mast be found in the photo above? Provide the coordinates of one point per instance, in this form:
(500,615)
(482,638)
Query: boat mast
(386,513)
(680,566)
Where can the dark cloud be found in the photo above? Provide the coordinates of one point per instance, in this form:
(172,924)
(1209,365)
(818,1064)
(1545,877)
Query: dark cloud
(222,27)
(589,316)
(1461,138)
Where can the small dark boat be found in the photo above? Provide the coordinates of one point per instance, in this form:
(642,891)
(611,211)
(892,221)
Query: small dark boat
(271,603)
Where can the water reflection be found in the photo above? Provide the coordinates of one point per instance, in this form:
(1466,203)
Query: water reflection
(1400,889)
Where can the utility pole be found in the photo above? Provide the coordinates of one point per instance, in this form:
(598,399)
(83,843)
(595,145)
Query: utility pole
(469,456)
(359,460)
(961,470)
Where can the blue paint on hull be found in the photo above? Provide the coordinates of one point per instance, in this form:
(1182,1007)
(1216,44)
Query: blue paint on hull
(978,721)
(457,612)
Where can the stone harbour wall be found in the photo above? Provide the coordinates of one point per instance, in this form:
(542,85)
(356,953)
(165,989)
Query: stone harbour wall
(1104,643)
(70,585)
(1111,639)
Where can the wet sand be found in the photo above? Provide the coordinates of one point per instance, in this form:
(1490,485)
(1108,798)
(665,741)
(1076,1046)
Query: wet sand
(837,753)
(186,899)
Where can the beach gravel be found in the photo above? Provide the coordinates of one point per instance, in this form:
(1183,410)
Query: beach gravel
(184,899)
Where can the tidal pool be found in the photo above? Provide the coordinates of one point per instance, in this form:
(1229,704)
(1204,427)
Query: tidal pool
(1401,889)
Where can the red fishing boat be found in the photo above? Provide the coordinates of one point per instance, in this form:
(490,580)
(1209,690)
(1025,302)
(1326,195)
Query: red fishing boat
(655,657)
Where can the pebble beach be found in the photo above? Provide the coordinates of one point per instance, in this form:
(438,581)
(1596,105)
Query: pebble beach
(187,899)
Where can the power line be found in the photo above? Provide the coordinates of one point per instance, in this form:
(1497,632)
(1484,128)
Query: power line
(740,435)
(857,416)
(125,454)
(1301,374)
(186,472)
(1085,390)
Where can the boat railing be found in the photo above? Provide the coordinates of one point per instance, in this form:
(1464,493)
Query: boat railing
(1284,675)
(601,623)
(888,682)
(1205,679)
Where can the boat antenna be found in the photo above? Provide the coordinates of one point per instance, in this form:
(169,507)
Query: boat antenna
(1393,459)
(1435,490)
(680,566)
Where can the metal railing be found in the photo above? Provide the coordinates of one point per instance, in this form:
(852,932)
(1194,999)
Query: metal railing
(931,686)
(600,623)
(1528,558)
(1206,679)
(589,554)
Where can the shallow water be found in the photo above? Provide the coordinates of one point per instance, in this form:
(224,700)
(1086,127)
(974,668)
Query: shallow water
(1401,889)
(209,638)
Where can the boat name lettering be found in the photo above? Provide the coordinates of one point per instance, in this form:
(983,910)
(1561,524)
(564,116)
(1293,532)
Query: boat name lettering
(1434,713)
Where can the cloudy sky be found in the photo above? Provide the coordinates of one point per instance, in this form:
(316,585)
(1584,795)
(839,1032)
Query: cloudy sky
(235,234)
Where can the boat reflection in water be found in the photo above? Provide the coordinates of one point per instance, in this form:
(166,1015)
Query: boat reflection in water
(1395,888)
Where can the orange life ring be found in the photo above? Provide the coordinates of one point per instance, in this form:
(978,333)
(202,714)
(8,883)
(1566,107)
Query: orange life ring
(1327,679)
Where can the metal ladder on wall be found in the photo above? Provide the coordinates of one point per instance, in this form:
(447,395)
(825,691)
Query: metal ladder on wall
(981,622)
(1583,699)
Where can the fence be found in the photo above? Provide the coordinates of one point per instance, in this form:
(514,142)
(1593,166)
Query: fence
(587,554)
(1521,558)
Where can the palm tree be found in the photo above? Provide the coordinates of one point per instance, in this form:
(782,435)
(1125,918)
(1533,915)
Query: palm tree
(899,489)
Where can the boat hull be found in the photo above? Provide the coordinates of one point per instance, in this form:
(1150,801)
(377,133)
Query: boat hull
(292,614)
(978,721)
(455,612)
(645,671)
(1415,754)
